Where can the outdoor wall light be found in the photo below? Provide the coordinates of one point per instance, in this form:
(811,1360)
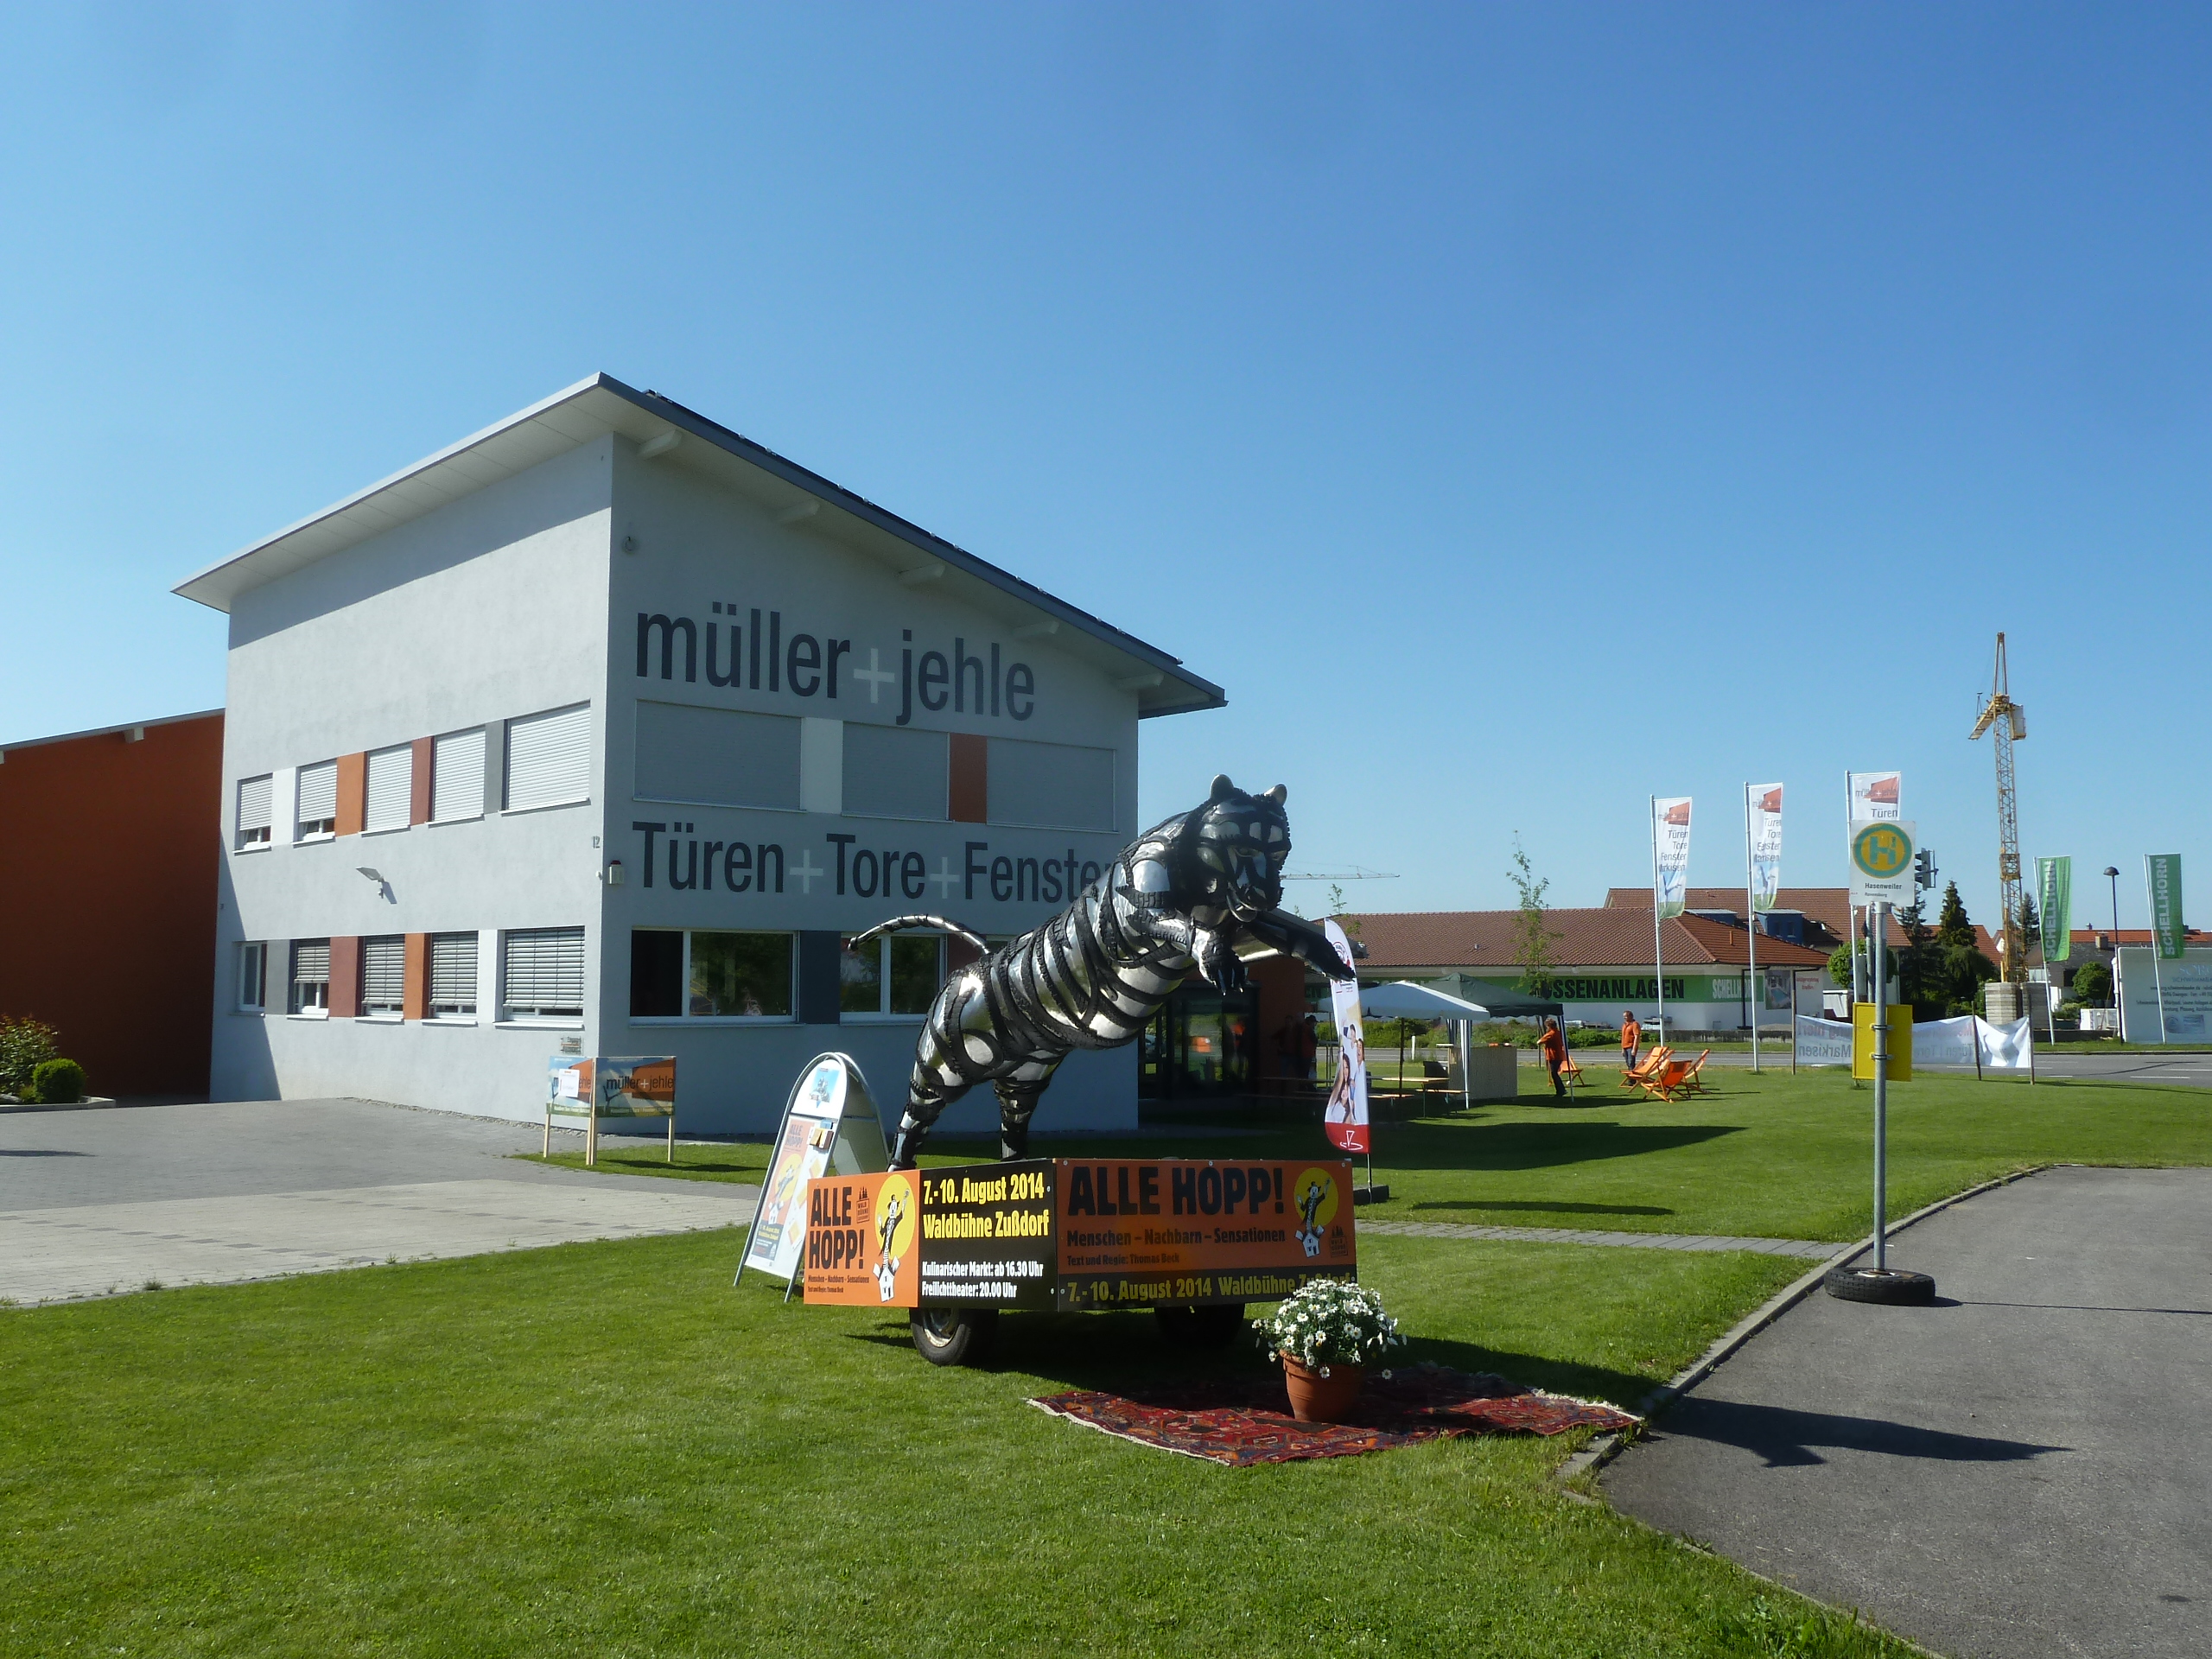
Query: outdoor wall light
(384,888)
(613,872)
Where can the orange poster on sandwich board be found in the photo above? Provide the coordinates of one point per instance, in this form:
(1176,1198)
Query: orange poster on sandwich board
(860,1236)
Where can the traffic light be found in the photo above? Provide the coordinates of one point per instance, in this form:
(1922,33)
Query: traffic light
(1924,869)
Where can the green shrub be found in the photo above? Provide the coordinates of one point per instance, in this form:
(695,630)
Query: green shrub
(24,1045)
(56,1083)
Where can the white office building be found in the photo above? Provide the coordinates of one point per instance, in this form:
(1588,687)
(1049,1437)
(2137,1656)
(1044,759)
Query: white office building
(598,732)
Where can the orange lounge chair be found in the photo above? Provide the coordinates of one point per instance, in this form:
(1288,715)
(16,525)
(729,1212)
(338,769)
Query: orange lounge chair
(1668,1082)
(1694,1083)
(1633,1077)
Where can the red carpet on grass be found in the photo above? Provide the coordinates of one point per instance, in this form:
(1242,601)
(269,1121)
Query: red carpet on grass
(1241,1422)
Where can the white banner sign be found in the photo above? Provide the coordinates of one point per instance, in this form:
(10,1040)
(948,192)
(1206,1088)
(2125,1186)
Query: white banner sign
(1951,1043)
(1876,795)
(1766,844)
(1344,1118)
(1670,852)
(1823,1042)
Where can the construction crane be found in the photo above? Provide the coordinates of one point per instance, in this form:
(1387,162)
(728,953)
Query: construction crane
(2006,718)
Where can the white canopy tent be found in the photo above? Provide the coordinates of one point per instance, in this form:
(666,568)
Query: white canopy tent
(1403,999)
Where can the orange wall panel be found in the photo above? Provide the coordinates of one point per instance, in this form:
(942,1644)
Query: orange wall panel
(346,977)
(109,851)
(414,997)
(968,789)
(418,801)
(352,792)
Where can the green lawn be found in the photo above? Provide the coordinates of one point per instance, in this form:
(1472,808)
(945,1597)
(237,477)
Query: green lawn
(605,1450)
(1770,1156)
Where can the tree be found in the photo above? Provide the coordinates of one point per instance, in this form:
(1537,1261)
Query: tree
(1350,924)
(1533,938)
(1955,978)
(2031,928)
(2093,983)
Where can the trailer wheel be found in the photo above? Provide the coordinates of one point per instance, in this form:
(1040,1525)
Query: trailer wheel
(1212,1326)
(955,1336)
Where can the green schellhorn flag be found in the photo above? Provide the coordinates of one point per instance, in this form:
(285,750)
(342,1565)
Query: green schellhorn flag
(2162,872)
(2055,906)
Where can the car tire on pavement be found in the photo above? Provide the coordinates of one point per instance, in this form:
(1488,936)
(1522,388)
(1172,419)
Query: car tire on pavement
(1890,1287)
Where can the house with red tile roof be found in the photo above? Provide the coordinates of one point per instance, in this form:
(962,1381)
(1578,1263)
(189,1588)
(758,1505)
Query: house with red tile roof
(1602,962)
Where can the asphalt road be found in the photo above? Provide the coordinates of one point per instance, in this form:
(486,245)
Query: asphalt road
(2021,1471)
(123,1199)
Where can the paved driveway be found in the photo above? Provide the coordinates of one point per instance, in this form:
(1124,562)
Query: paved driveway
(105,1200)
(2023,1470)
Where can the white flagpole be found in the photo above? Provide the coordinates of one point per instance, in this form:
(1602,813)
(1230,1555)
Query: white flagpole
(1751,922)
(1658,954)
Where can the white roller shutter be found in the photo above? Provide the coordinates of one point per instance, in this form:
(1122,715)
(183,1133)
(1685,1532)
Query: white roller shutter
(1051,785)
(549,758)
(453,973)
(457,777)
(383,974)
(544,971)
(253,811)
(391,781)
(318,797)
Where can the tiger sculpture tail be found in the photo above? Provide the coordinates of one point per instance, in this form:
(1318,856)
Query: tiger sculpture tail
(1183,894)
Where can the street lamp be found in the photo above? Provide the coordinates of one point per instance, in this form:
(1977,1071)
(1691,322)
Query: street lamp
(2111,874)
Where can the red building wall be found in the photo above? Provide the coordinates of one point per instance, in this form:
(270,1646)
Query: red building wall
(109,851)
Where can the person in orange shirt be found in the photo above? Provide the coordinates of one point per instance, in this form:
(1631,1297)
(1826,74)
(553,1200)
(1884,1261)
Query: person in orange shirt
(1553,1046)
(1632,1038)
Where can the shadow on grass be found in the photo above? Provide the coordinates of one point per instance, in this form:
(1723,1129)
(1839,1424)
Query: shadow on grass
(1126,1353)
(1783,1438)
(1556,1208)
(40,1152)
(1467,1145)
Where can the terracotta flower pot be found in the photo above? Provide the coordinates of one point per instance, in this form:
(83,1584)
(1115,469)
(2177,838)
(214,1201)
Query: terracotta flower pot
(1318,1399)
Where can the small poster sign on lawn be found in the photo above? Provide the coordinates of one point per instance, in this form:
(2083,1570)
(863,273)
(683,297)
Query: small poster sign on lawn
(604,1085)
(830,1127)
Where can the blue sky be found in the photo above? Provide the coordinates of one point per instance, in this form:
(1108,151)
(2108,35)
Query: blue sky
(1521,412)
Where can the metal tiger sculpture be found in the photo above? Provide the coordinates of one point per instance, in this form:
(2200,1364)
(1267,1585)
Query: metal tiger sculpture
(1182,893)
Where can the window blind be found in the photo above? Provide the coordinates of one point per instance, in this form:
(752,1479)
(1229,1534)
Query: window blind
(543,969)
(1051,785)
(392,779)
(452,971)
(253,810)
(549,758)
(318,796)
(895,773)
(310,962)
(383,974)
(718,757)
(457,777)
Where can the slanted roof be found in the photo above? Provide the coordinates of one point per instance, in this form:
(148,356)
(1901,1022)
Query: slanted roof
(601,405)
(1482,942)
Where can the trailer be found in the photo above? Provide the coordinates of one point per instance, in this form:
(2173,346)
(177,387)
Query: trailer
(1192,1239)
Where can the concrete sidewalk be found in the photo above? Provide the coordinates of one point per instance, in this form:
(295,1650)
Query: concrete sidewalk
(2020,1470)
(101,1201)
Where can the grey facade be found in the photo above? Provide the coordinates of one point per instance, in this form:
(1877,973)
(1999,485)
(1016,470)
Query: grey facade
(778,715)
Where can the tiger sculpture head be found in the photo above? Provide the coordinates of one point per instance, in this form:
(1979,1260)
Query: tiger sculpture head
(1238,843)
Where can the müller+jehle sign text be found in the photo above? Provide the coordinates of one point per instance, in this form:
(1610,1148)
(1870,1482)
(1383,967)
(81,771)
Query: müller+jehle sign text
(1080,1233)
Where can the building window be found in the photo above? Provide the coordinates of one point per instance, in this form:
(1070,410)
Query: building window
(253,812)
(457,777)
(253,976)
(895,976)
(384,976)
(310,977)
(543,970)
(702,976)
(453,975)
(549,758)
(318,799)
(390,787)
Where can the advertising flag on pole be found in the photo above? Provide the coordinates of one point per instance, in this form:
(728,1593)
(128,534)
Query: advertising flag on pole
(1670,863)
(1766,844)
(2055,905)
(2164,871)
(1876,795)
(1344,1118)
